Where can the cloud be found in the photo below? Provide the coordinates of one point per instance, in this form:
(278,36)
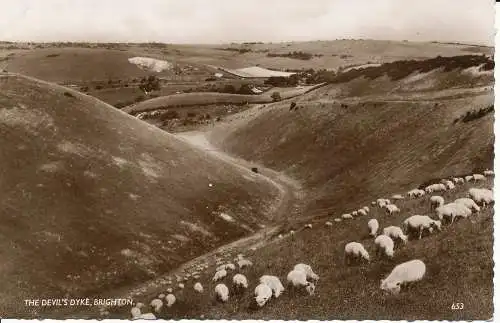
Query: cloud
(202,21)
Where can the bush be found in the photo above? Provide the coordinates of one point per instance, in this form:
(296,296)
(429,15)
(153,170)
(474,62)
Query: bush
(191,114)
(229,88)
(292,105)
(151,83)
(276,96)
(68,94)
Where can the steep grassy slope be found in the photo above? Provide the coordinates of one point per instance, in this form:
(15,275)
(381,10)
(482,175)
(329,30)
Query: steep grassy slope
(342,144)
(93,199)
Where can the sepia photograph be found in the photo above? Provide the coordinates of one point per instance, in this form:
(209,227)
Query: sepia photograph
(247,160)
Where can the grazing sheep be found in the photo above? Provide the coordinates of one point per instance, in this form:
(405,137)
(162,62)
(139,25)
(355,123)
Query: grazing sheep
(383,202)
(161,296)
(373,227)
(469,178)
(397,197)
(337,220)
(391,208)
(355,250)
(452,210)
(262,294)
(354,213)
(169,290)
(298,278)
(435,188)
(219,275)
(328,223)
(395,233)
(366,208)
(481,196)
(414,193)
(488,173)
(156,304)
(308,226)
(405,273)
(362,212)
(135,312)
(374,203)
(346,216)
(221,292)
(274,283)
(419,223)
(230,266)
(240,281)
(478,177)
(181,286)
(385,245)
(198,287)
(436,201)
(469,203)
(449,185)
(308,270)
(458,180)
(242,263)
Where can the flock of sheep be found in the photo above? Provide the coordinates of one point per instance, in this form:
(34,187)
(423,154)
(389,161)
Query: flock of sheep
(302,276)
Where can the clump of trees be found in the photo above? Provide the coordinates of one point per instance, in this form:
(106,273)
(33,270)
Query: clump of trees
(149,84)
(295,55)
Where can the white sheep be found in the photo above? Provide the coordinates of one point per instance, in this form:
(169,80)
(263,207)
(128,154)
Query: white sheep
(230,266)
(397,197)
(391,208)
(181,285)
(384,244)
(435,188)
(488,173)
(240,281)
(478,177)
(298,278)
(242,263)
(262,294)
(366,208)
(219,275)
(308,226)
(346,216)
(161,296)
(328,223)
(419,223)
(436,201)
(156,304)
(414,193)
(373,227)
(337,220)
(405,273)
(135,312)
(354,213)
(274,283)
(198,287)
(355,250)
(382,202)
(169,290)
(374,203)
(310,274)
(395,233)
(362,212)
(458,180)
(449,185)
(220,267)
(452,210)
(147,316)
(221,292)
(469,203)
(469,178)
(481,196)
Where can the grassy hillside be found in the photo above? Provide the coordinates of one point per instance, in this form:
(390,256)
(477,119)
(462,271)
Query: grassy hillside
(362,138)
(94,199)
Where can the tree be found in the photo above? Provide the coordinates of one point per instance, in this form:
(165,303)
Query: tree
(151,83)
(276,96)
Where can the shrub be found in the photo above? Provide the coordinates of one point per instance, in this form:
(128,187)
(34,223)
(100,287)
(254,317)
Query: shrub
(68,94)
(292,105)
(191,114)
(229,88)
(276,96)
(151,83)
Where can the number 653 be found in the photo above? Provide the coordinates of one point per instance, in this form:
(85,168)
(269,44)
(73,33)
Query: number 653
(457,306)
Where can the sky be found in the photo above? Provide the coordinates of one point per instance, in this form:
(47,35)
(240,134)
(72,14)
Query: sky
(224,21)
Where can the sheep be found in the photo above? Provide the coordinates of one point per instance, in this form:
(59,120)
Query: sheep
(147,316)
(161,296)
(220,267)
(156,304)
(262,294)
(362,212)
(221,292)
(458,180)
(181,286)
(198,287)
(414,193)
(346,216)
(435,188)
(135,312)
(419,223)
(391,208)
(169,290)
(478,177)
(308,270)
(374,203)
(298,278)
(382,202)
(308,226)
(469,178)
(219,275)
(355,250)
(436,201)
(452,210)
(397,197)
(366,208)
(274,283)
(328,223)
(469,203)
(405,273)
(230,266)
(395,233)
(373,227)
(354,213)
(337,220)
(488,173)
(242,263)
(385,244)
(239,257)
(240,281)
(449,185)
(481,196)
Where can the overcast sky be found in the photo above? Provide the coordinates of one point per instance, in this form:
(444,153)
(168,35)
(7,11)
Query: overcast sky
(215,21)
